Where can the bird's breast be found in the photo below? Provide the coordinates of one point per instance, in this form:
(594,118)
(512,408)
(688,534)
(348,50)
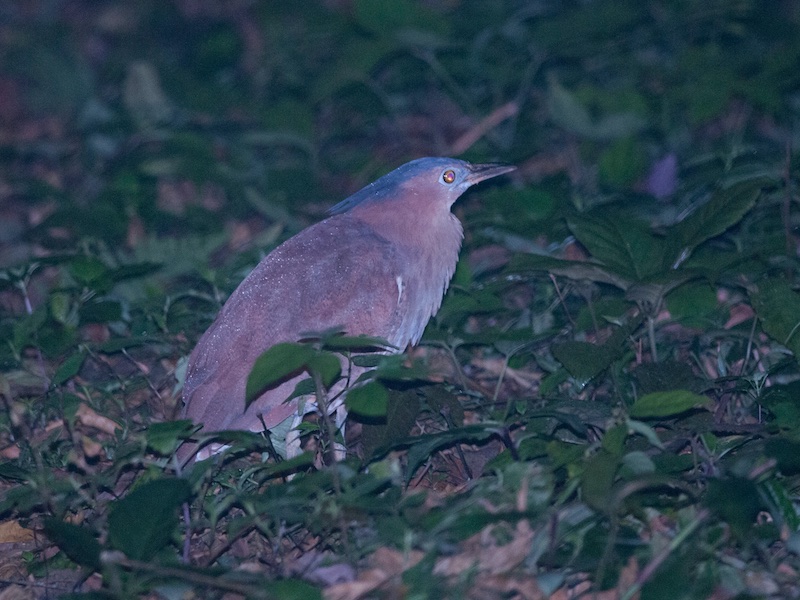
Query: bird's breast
(426,270)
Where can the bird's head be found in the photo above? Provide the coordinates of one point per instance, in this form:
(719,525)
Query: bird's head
(432,180)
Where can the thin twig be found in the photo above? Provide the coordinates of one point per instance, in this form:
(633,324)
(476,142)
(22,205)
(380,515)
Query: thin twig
(484,126)
(561,299)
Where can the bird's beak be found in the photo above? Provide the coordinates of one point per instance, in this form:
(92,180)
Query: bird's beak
(487,171)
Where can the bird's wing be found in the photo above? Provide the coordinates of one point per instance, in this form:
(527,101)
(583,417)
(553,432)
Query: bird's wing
(335,273)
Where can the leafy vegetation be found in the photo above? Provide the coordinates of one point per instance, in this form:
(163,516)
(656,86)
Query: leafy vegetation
(607,403)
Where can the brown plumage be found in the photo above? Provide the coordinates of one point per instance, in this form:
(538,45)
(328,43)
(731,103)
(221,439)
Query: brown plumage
(378,266)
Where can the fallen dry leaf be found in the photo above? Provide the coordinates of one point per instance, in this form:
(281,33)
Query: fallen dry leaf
(12,531)
(88,417)
(389,564)
(482,553)
(10,452)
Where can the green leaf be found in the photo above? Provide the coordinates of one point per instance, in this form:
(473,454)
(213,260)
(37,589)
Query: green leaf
(385,17)
(786,453)
(572,269)
(622,163)
(567,112)
(583,360)
(778,307)
(782,503)
(78,543)
(597,478)
(614,440)
(666,404)
(359,342)
(693,304)
(143,522)
(666,376)
(275,365)
(425,445)
(624,245)
(393,367)
(164,438)
(725,209)
(87,269)
(646,431)
(327,365)
(401,414)
(11,471)
(103,311)
(736,500)
(134,271)
(368,400)
(69,368)
(292,589)
(116,344)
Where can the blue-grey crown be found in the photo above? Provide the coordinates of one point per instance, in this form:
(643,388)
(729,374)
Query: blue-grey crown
(384,187)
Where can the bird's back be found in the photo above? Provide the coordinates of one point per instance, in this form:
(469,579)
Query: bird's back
(335,273)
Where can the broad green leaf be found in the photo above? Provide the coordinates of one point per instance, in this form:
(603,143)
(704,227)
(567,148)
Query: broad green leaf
(424,446)
(387,17)
(778,307)
(61,308)
(645,430)
(304,387)
(327,365)
(623,162)
(565,109)
(164,438)
(458,305)
(624,245)
(782,502)
(725,209)
(572,269)
(614,440)
(638,463)
(693,304)
(103,311)
(442,401)
(401,414)
(142,523)
(567,112)
(69,368)
(667,375)
(786,452)
(275,365)
(292,589)
(368,400)
(597,478)
(117,344)
(78,543)
(783,402)
(666,404)
(736,500)
(13,472)
(583,360)
(360,342)
(394,367)
(87,269)
(133,271)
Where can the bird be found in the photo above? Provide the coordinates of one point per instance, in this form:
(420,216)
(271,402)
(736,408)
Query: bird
(378,265)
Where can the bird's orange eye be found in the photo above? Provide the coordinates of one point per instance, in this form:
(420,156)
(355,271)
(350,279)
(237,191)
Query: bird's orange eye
(449,176)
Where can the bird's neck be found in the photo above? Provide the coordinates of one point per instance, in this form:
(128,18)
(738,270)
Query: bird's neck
(429,243)
(431,235)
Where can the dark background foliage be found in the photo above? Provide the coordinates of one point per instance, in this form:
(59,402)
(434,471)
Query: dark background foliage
(607,402)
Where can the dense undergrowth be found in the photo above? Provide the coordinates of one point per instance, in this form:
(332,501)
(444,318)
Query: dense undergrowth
(607,404)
